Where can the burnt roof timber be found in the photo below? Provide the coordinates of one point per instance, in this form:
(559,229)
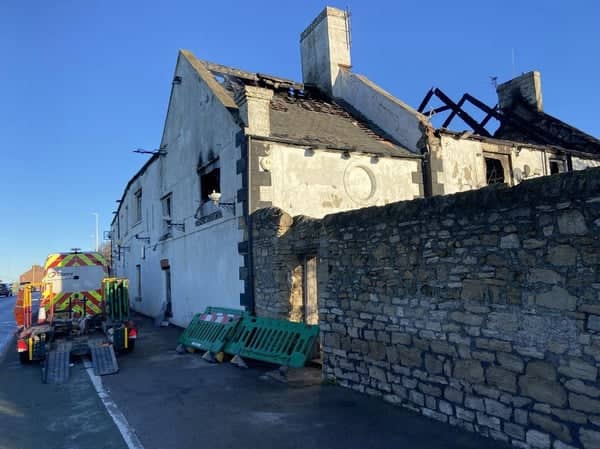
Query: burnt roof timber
(462,114)
(249,76)
(225,70)
(423,104)
(512,119)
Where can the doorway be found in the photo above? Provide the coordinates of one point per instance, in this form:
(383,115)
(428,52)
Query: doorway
(309,291)
(168,309)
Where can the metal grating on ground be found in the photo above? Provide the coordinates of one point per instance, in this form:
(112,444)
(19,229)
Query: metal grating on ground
(104,359)
(56,366)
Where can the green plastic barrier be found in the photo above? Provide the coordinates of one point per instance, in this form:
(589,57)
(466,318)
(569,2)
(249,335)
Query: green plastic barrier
(115,293)
(210,330)
(276,341)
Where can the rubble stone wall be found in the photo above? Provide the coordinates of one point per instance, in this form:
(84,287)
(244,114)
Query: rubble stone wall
(278,261)
(480,309)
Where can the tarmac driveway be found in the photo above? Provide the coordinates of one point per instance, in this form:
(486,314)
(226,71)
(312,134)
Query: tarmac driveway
(181,401)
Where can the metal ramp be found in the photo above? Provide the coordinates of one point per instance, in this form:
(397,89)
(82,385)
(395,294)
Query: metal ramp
(56,367)
(104,360)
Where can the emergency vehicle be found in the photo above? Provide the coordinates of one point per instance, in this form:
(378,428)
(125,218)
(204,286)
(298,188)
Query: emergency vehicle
(81,312)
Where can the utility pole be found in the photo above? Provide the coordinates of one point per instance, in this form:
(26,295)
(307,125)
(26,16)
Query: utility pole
(96,214)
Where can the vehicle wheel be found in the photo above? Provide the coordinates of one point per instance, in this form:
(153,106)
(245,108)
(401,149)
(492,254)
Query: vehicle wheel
(24,358)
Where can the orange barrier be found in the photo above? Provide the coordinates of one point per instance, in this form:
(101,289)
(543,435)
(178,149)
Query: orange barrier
(18,310)
(22,308)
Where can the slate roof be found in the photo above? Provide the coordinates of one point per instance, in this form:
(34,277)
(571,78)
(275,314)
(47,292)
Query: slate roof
(323,123)
(303,115)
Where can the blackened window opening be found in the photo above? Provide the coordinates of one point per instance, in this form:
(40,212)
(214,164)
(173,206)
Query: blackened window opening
(210,182)
(557,167)
(494,171)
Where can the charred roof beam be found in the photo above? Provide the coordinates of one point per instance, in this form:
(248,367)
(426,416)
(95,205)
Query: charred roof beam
(479,127)
(457,110)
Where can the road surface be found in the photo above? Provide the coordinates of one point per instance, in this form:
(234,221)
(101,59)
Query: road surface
(41,416)
(160,399)
(7,324)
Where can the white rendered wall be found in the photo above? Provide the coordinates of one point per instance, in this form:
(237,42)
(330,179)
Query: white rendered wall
(321,182)
(397,119)
(204,261)
(582,163)
(463,162)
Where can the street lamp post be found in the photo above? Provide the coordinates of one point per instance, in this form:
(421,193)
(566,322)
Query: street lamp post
(96,214)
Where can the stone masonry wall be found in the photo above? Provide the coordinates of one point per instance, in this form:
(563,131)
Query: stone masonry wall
(278,261)
(480,309)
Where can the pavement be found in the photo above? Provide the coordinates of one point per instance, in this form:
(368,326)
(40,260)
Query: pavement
(170,400)
(181,401)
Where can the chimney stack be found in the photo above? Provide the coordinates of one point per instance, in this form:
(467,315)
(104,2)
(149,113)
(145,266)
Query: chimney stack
(254,108)
(325,46)
(528,87)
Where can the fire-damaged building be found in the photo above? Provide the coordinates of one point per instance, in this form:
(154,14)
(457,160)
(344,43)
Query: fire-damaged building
(527,143)
(236,141)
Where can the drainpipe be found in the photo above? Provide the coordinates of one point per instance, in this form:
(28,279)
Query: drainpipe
(250,294)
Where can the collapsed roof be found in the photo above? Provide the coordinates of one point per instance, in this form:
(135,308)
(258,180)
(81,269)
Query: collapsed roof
(305,115)
(520,115)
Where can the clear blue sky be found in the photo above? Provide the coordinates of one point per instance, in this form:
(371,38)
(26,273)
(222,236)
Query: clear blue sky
(83,83)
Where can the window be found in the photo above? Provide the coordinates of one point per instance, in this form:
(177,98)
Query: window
(138,206)
(494,171)
(138,282)
(169,308)
(126,220)
(167,211)
(557,166)
(209,176)
(210,179)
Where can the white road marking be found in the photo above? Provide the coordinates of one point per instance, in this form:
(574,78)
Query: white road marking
(119,419)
